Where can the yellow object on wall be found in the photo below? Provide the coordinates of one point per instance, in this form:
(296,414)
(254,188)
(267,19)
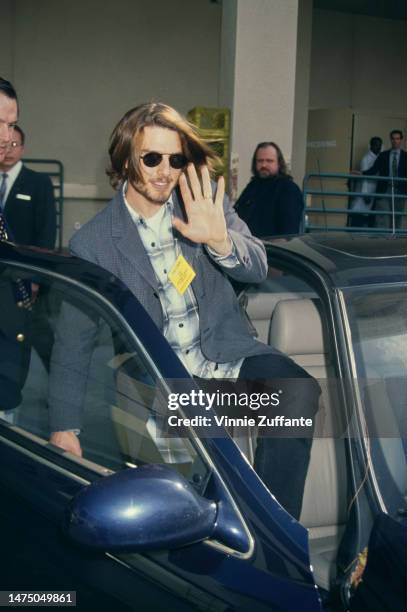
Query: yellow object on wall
(214,128)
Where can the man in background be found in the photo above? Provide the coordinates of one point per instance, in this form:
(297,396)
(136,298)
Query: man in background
(363,204)
(271,204)
(28,198)
(29,208)
(391,163)
(14,298)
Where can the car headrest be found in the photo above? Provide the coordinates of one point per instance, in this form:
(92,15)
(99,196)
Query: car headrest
(296,327)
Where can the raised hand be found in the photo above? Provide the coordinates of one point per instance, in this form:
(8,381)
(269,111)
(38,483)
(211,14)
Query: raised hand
(205,218)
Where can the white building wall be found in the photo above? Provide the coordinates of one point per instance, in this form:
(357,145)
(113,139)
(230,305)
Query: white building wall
(78,65)
(358,62)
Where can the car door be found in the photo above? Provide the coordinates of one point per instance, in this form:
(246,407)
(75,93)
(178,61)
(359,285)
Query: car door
(118,382)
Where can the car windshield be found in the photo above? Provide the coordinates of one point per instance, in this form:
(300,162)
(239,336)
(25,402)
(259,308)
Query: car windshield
(378,326)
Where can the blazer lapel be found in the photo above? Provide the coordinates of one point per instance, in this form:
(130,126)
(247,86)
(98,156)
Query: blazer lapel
(128,241)
(14,190)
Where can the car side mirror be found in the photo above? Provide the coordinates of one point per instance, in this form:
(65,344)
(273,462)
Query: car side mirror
(150,507)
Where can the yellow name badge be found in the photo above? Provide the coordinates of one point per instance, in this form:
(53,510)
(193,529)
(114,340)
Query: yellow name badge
(181,274)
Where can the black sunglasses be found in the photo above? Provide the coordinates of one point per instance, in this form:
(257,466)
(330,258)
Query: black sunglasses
(153,159)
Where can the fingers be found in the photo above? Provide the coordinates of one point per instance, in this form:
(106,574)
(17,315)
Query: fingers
(185,191)
(200,191)
(194,181)
(220,192)
(206,183)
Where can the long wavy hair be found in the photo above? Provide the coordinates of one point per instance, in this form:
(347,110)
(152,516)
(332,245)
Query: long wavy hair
(123,150)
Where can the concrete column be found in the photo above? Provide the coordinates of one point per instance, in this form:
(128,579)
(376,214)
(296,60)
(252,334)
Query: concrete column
(302,86)
(264,77)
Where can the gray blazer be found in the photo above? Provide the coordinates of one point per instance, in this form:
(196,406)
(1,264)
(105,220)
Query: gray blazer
(112,241)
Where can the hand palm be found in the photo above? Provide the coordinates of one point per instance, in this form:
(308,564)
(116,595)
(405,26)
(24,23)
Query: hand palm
(205,217)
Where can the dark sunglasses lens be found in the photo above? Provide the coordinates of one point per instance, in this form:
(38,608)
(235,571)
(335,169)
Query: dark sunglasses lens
(178,161)
(152,159)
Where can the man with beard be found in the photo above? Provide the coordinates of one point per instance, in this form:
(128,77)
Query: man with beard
(271,204)
(166,216)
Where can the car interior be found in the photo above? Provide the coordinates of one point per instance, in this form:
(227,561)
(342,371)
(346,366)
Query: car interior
(379,324)
(287,314)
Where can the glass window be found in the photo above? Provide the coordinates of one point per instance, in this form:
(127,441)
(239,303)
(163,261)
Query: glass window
(78,367)
(378,323)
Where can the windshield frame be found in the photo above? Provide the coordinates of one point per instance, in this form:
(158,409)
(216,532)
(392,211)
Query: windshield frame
(359,427)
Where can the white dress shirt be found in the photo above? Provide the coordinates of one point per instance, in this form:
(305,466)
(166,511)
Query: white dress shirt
(12,175)
(366,186)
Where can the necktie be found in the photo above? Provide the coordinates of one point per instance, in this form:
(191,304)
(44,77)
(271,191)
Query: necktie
(394,165)
(22,294)
(3,227)
(3,188)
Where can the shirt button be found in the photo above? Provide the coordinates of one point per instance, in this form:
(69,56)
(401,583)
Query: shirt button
(153,244)
(187,352)
(165,271)
(180,325)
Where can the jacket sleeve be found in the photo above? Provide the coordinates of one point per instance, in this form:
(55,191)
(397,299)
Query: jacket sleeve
(75,337)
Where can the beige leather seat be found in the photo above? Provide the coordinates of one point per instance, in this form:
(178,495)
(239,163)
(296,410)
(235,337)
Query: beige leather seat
(260,305)
(297,330)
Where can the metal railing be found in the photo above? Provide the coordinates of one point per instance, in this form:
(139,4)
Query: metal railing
(321,216)
(55,170)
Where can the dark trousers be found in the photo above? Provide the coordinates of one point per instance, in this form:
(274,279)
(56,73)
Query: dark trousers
(282,456)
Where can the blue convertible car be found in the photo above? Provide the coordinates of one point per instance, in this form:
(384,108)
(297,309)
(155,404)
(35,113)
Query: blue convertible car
(146,522)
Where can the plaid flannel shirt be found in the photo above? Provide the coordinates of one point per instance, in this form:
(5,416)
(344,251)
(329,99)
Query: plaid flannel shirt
(180,312)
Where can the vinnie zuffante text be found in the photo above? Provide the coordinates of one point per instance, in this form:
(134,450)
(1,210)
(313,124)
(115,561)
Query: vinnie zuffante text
(219,399)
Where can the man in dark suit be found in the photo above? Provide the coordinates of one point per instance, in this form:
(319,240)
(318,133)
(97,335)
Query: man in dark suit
(176,241)
(14,299)
(271,203)
(28,204)
(29,209)
(391,163)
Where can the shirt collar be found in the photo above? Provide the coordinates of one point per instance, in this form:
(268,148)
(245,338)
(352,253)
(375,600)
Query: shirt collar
(14,171)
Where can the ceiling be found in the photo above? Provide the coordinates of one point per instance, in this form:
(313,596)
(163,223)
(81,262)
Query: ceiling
(388,9)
